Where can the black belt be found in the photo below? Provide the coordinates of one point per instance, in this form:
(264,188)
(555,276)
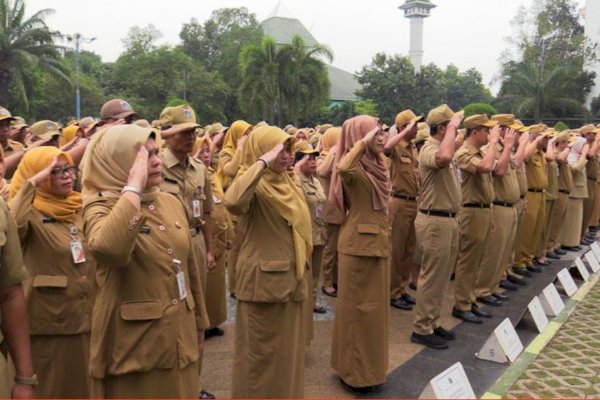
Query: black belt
(536,190)
(195,231)
(437,213)
(522,197)
(475,205)
(403,197)
(592,179)
(564,191)
(503,204)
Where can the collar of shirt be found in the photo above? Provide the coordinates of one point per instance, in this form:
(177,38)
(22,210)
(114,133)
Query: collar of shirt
(169,160)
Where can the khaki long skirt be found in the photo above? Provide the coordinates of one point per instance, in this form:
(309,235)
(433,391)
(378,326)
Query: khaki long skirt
(216,301)
(171,383)
(269,350)
(570,234)
(360,332)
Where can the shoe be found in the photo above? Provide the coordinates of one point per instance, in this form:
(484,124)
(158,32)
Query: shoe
(586,242)
(480,312)
(213,332)
(401,304)
(534,268)
(330,294)
(501,296)
(490,300)
(205,395)
(553,255)
(516,280)
(359,390)
(542,263)
(571,248)
(522,272)
(412,286)
(508,285)
(319,310)
(444,334)
(466,316)
(409,299)
(560,252)
(432,341)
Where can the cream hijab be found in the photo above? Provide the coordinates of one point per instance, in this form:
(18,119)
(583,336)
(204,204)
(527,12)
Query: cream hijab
(235,132)
(108,159)
(280,191)
(576,149)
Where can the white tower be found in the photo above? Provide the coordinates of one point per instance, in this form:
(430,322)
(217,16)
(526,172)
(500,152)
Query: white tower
(417,10)
(592,33)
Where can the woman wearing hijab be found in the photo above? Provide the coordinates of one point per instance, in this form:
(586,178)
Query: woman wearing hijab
(360,190)
(216,302)
(570,235)
(332,216)
(272,282)
(149,317)
(61,289)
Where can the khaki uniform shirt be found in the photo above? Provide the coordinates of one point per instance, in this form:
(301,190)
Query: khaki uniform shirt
(477,188)
(536,171)
(565,177)
(404,169)
(324,171)
(316,200)
(365,231)
(141,322)
(60,292)
(580,187)
(190,184)
(12,147)
(552,173)
(12,268)
(591,169)
(223,226)
(506,188)
(440,190)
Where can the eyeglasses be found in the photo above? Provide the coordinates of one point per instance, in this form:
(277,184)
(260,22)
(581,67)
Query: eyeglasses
(60,172)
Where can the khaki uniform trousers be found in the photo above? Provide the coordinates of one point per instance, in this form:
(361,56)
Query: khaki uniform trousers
(560,212)
(541,251)
(596,208)
(402,222)
(570,234)
(531,233)
(437,242)
(475,224)
(498,248)
(329,263)
(588,206)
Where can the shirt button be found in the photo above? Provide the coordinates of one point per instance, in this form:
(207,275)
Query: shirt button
(135,219)
(151,207)
(174,302)
(162,227)
(169,251)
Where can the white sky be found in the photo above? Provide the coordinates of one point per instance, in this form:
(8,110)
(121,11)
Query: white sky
(467,33)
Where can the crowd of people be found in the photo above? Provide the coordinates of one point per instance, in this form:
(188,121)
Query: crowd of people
(121,238)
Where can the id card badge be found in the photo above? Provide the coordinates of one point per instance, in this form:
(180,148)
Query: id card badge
(77,252)
(319,211)
(216,200)
(181,285)
(196,209)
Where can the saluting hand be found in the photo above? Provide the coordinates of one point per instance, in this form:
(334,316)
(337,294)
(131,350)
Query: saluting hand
(138,174)
(524,138)
(272,155)
(456,119)
(372,133)
(494,134)
(509,138)
(43,175)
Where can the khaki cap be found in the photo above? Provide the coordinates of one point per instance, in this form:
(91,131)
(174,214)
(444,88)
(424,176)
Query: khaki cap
(439,115)
(550,132)
(143,123)
(117,108)
(86,122)
(537,129)
(45,129)
(215,128)
(564,136)
(407,116)
(507,120)
(18,123)
(422,135)
(177,119)
(590,128)
(302,146)
(5,114)
(475,121)
(292,130)
(261,123)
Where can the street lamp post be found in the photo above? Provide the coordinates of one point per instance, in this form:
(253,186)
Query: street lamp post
(78,39)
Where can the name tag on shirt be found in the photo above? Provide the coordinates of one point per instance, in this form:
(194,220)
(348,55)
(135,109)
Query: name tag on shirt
(216,200)
(319,211)
(196,208)
(77,252)
(181,285)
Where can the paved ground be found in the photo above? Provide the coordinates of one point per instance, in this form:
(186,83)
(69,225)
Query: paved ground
(411,366)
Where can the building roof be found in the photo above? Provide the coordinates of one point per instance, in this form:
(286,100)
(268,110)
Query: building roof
(343,84)
(284,29)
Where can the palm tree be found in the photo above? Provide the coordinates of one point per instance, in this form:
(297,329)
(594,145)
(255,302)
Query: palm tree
(25,44)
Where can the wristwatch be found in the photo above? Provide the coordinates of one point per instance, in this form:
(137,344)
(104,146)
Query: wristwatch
(30,381)
(133,189)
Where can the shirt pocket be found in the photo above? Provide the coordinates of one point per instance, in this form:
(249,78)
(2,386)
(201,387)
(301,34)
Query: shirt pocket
(368,229)
(49,304)
(275,281)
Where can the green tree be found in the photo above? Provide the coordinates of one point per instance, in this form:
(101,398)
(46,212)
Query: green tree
(479,108)
(25,44)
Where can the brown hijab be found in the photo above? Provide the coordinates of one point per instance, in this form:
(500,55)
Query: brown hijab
(373,165)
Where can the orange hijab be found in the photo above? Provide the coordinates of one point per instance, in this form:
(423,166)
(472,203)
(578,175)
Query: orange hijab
(234,133)
(45,201)
(69,134)
(373,165)
(331,137)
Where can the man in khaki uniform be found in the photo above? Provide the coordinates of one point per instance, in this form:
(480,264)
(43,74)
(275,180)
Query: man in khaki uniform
(475,216)
(551,196)
(187,179)
(531,231)
(15,325)
(45,131)
(589,132)
(403,207)
(436,226)
(19,130)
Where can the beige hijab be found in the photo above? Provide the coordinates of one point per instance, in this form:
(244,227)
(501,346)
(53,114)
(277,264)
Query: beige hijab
(331,137)
(108,159)
(373,165)
(280,191)
(235,133)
